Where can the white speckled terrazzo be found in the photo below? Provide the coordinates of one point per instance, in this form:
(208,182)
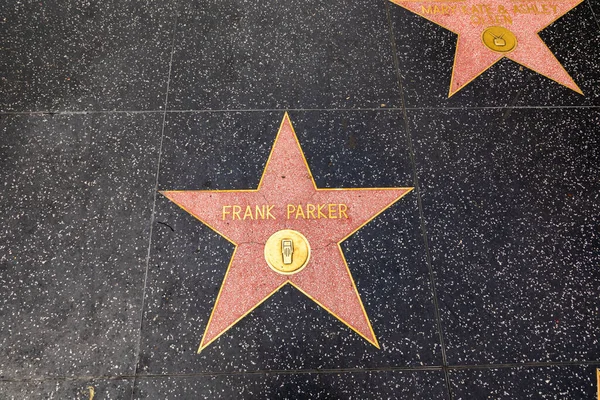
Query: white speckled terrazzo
(481,283)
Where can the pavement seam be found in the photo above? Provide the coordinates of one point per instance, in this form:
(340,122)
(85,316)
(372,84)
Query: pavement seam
(432,283)
(423,368)
(152,217)
(589,3)
(267,110)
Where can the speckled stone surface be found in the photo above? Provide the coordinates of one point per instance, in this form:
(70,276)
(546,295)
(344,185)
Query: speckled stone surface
(511,201)
(76,199)
(288,331)
(237,54)
(482,283)
(114,389)
(85,55)
(426,57)
(557,382)
(358,385)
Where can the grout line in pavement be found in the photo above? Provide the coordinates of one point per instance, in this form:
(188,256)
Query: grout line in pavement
(589,3)
(421,368)
(432,284)
(232,110)
(152,217)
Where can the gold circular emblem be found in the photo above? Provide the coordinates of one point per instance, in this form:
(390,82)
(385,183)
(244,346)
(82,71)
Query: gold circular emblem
(500,39)
(287,251)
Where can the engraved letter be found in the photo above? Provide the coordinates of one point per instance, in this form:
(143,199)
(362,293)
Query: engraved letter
(269,215)
(236,212)
(342,208)
(310,211)
(320,211)
(225,212)
(290,210)
(331,209)
(248,213)
(300,211)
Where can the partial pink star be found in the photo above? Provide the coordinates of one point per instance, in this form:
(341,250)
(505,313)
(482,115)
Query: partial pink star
(469,18)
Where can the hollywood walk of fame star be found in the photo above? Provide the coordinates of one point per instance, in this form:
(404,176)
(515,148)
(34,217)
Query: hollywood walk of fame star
(301,222)
(489,30)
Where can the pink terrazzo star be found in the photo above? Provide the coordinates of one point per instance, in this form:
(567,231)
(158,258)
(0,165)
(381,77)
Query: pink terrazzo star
(470,18)
(286,181)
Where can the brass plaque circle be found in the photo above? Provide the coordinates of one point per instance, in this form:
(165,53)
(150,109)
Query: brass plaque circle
(499,39)
(287,251)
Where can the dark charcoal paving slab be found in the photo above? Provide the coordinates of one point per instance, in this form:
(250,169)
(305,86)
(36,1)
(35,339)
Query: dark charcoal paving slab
(239,54)
(357,385)
(90,55)
(76,200)
(67,389)
(555,382)
(288,331)
(426,56)
(511,202)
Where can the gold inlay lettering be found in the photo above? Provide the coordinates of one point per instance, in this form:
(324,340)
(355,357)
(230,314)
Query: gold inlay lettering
(293,211)
(236,212)
(317,211)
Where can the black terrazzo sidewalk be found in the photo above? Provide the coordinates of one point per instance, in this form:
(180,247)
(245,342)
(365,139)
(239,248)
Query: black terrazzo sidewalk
(482,283)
